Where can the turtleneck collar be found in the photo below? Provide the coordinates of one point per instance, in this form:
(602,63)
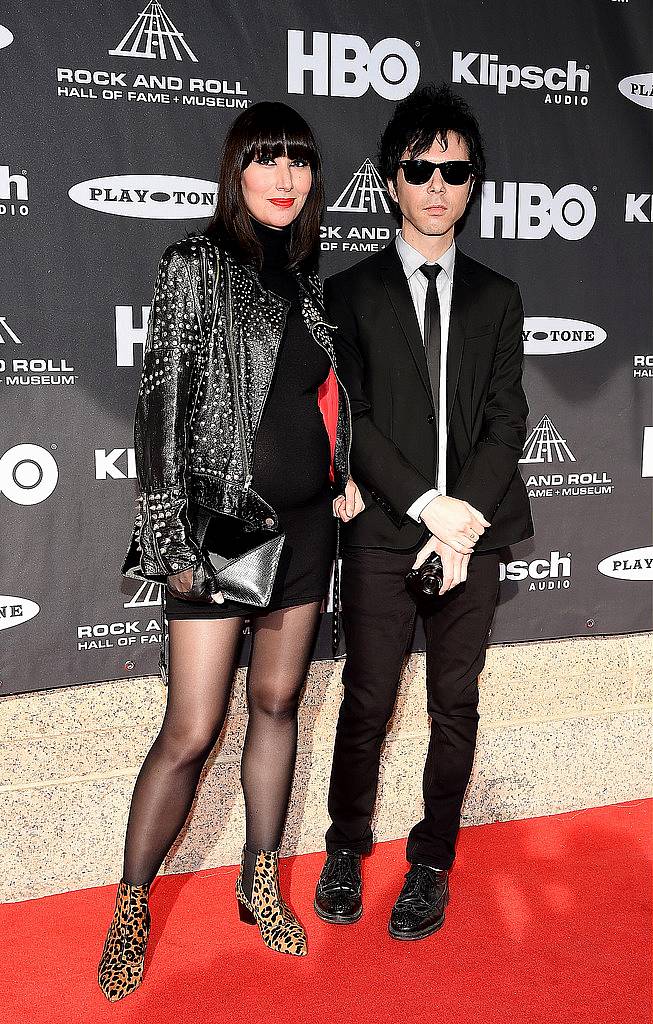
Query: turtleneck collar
(275,242)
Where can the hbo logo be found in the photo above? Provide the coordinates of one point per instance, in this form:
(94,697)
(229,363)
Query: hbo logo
(348,67)
(28,474)
(532,210)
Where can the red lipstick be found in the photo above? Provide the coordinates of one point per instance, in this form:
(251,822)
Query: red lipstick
(284,203)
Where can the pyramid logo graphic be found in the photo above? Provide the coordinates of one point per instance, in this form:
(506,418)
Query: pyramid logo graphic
(148,595)
(6,333)
(545,444)
(365,193)
(153,36)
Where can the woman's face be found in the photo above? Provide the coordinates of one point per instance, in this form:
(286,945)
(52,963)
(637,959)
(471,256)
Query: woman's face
(275,189)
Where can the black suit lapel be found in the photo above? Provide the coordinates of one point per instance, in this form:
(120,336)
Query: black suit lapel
(396,286)
(461,300)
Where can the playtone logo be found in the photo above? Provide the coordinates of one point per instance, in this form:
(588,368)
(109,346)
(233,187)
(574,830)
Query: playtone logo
(151,196)
(551,573)
(532,210)
(638,88)
(6,37)
(486,69)
(555,335)
(636,564)
(14,610)
(344,65)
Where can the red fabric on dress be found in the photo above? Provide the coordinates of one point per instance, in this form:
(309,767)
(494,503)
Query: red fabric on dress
(327,398)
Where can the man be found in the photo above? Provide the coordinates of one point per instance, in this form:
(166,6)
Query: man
(429,347)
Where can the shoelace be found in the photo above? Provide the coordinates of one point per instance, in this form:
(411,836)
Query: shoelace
(419,888)
(340,875)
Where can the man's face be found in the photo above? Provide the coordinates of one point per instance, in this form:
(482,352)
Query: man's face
(433,208)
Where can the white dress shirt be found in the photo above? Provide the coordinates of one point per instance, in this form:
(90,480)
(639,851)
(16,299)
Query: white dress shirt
(411,261)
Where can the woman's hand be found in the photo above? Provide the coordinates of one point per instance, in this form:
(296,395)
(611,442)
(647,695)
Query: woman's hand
(349,504)
(193,585)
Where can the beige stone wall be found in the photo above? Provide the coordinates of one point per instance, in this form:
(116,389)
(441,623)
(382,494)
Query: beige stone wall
(564,724)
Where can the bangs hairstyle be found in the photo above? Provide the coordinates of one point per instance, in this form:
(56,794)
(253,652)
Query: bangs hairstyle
(267,130)
(425,115)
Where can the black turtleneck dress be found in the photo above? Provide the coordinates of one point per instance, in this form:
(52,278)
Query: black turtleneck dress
(292,455)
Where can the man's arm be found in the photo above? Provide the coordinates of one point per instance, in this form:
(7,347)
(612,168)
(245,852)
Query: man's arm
(377,463)
(492,463)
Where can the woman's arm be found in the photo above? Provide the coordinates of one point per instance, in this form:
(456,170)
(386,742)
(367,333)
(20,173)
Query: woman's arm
(173,341)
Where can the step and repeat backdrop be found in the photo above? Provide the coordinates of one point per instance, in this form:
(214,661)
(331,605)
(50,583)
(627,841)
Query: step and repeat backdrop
(113,117)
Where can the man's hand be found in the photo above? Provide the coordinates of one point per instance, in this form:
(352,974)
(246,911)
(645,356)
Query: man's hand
(454,564)
(454,522)
(349,504)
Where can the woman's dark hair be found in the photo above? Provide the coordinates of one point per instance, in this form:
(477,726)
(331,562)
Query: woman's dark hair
(267,130)
(429,113)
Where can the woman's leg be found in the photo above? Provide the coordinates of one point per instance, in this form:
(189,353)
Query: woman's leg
(282,644)
(202,656)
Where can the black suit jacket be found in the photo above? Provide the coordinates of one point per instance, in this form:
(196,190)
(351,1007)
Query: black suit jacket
(382,363)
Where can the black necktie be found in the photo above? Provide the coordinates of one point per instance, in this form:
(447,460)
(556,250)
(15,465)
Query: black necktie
(432,339)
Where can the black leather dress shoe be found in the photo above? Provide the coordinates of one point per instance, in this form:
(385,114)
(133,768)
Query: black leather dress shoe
(338,893)
(419,910)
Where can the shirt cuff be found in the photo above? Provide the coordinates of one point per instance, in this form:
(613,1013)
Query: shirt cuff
(420,504)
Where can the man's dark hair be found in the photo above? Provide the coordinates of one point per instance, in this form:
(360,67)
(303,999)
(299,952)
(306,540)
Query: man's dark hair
(429,113)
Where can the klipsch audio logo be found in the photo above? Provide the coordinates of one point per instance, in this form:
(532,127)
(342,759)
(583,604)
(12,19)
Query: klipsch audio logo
(14,193)
(545,445)
(552,573)
(555,335)
(115,464)
(532,210)
(6,37)
(638,88)
(22,372)
(28,474)
(568,85)
(152,196)
(130,335)
(154,35)
(364,194)
(14,610)
(151,36)
(639,208)
(636,564)
(345,65)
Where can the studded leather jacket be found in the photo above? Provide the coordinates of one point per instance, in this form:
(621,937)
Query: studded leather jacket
(212,342)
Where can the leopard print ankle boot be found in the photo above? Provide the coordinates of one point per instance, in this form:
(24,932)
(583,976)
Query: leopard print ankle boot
(121,966)
(279,929)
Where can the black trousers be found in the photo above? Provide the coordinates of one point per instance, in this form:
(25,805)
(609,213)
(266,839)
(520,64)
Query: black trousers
(379,618)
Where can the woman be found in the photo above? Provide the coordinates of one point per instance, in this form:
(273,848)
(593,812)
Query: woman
(237,358)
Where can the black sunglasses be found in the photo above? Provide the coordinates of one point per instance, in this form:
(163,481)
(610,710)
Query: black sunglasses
(454,172)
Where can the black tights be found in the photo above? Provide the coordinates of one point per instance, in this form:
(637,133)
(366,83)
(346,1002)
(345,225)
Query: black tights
(202,659)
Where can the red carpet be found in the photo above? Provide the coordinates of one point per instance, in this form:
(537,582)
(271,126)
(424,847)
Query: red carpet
(549,920)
